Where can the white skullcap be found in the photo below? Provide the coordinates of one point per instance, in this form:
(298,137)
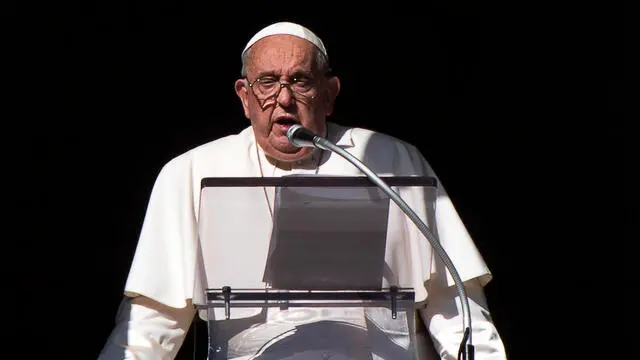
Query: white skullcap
(287,28)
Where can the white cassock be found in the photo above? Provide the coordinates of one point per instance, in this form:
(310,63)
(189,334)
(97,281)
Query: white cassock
(173,266)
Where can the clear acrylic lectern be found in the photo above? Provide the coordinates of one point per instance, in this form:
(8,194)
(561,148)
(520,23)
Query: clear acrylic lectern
(301,267)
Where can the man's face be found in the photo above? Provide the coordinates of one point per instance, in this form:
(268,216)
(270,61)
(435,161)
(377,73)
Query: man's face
(307,101)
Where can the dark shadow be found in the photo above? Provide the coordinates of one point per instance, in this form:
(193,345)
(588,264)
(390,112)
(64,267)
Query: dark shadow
(328,238)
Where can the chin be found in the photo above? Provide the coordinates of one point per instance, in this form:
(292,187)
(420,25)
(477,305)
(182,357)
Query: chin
(296,155)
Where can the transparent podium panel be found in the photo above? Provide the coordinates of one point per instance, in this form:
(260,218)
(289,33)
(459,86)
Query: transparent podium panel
(308,267)
(311,232)
(297,325)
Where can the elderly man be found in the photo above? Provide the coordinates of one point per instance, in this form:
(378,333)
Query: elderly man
(286,80)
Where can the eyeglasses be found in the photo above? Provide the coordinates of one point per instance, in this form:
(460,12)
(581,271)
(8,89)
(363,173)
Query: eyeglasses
(267,88)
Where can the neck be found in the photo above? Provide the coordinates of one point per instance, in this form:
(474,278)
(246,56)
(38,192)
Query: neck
(310,161)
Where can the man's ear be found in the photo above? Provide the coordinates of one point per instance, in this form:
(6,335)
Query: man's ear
(333,89)
(242,90)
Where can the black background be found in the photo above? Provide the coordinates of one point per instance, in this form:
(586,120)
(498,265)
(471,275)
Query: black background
(518,107)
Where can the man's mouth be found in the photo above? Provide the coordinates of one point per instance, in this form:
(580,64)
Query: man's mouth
(285,122)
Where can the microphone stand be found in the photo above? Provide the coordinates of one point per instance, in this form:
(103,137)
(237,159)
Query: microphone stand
(300,136)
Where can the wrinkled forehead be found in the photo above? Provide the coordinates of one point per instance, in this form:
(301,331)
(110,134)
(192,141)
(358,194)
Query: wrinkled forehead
(282,54)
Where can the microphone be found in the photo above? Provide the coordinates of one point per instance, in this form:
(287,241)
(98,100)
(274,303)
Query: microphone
(303,137)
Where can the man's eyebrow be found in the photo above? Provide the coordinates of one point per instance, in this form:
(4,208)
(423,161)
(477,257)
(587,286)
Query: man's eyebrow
(267,73)
(303,73)
(295,74)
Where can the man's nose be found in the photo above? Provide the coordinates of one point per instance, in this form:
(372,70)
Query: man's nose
(284,97)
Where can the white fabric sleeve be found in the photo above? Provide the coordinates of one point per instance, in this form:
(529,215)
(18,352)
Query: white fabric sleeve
(147,330)
(443,319)
(450,230)
(163,266)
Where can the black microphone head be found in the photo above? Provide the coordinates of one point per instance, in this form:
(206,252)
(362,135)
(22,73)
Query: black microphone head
(300,136)
(293,129)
